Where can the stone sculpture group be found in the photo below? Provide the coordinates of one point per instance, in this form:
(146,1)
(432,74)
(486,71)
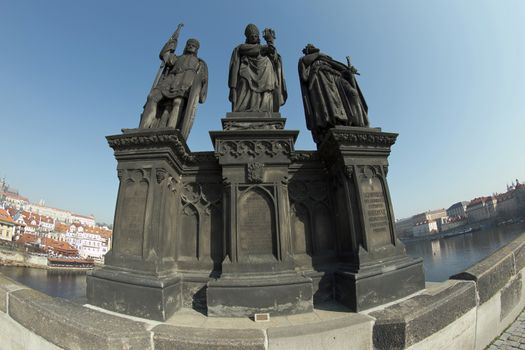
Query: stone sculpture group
(255,226)
(330,91)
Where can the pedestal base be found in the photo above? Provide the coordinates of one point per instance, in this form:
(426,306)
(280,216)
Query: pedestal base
(240,296)
(133,294)
(376,286)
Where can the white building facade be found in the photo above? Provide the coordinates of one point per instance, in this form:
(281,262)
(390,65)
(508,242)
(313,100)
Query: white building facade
(88,245)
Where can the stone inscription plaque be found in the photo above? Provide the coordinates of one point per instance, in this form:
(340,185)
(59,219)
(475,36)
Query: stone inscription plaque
(375,212)
(256,224)
(132,216)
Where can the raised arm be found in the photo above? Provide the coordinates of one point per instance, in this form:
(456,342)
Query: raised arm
(167,53)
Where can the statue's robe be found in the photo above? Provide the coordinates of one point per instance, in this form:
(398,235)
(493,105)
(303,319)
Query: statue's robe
(185,77)
(329,98)
(258,83)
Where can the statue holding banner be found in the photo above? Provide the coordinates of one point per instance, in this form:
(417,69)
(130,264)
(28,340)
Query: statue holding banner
(181,83)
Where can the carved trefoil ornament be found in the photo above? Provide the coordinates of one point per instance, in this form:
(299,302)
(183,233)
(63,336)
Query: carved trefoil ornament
(203,196)
(253,149)
(349,171)
(161,174)
(255,172)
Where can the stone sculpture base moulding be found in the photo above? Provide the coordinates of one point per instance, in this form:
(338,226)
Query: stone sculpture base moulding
(255,226)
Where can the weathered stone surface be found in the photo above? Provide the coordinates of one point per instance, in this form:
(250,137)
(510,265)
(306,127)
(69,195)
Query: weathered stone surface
(170,337)
(518,249)
(512,336)
(7,286)
(353,332)
(510,296)
(410,321)
(490,274)
(242,297)
(72,326)
(253,121)
(323,287)
(487,322)
(194,292)
(361,291)
(165,139)
(156,302)
(16,337)
(460,334)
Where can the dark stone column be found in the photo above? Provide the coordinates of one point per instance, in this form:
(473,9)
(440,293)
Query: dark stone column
(374,268)
(258,270)
(139,275)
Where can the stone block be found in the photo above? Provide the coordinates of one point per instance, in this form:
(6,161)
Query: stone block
(7,286)
(243,297)
(460,334)
(167,337)
(490,274)
(510,296)
(194,293)
(323,286)
(72,326)
(518,248)
(410,321)
(487,322)
(353,332)
(16,337)
(152,299)
(361,291)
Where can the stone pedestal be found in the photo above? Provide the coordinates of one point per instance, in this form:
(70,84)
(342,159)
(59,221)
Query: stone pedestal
(254,154)
(255,226)
(373,267)
(139,275)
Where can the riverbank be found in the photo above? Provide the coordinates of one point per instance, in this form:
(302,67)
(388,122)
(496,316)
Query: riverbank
(463,230)
(17,258)
(10,257)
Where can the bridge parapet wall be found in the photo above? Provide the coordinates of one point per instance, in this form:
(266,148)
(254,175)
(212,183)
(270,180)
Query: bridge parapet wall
(466,312)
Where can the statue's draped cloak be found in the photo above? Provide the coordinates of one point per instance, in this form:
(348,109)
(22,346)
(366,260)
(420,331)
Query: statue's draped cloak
(184,76)
(257,82)
(327,95)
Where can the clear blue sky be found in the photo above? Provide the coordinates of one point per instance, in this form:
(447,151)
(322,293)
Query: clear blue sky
(448,76)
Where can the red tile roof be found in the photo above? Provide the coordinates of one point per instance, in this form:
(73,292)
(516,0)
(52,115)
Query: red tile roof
(61,227)
(59,247)
(98,231)
(5,217)
(27,238)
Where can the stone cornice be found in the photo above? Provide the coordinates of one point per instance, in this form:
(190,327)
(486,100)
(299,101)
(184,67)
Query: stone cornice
(361,137)
(133,139)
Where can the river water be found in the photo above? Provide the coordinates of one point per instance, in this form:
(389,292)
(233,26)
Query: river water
(447,256)
(441,258)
